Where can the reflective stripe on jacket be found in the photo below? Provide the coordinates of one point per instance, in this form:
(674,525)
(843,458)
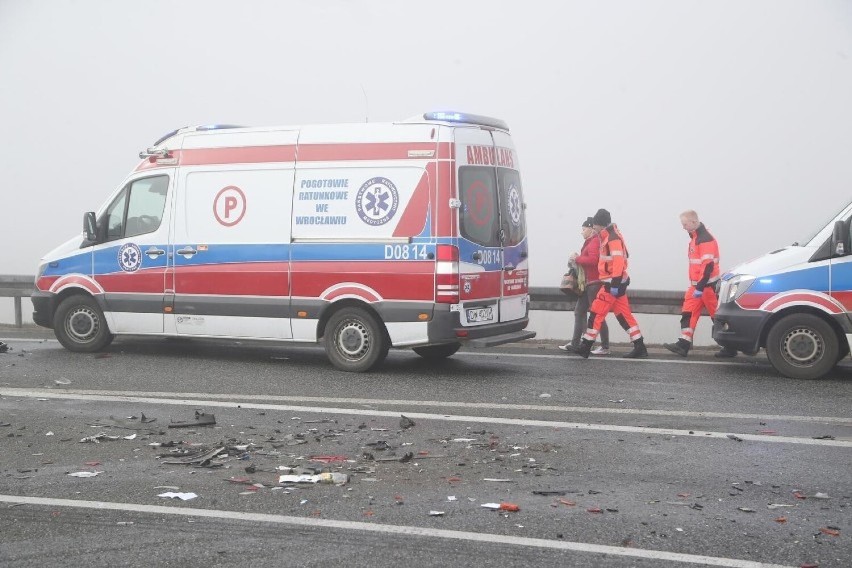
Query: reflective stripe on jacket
(703,258)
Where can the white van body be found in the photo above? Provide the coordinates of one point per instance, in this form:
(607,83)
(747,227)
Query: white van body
(794,302)
(408,234)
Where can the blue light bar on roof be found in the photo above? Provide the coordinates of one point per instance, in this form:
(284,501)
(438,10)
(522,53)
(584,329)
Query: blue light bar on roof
(465,118)
(217,126)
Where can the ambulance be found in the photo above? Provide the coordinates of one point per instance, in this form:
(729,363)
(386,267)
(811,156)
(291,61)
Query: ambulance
(795,302)
(360,236)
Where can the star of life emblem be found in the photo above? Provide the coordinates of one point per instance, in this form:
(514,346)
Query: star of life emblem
(514,205)
(129,257)
(377,201)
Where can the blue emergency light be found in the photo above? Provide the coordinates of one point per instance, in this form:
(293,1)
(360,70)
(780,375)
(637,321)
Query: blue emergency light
(465,118)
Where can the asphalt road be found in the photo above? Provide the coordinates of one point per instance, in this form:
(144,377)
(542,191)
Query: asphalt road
(663,462)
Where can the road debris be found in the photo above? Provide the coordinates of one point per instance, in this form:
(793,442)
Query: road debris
(201,419)
(436,513)
(181,496)
(778,505)
(405,422)
(496,480)
(96,439)
(511,507)
(335,478)
(830,531)
(4,348)
(201,458)
(85,473)
(735,438)
(617,401)
(821,496)
(746,510)
(62,381)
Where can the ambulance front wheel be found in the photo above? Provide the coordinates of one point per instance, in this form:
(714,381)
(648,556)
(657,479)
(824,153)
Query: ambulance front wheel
(355,341)
(437,352)
(802,346)
(80,326)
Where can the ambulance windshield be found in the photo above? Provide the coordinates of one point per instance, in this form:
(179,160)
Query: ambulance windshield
(492,211)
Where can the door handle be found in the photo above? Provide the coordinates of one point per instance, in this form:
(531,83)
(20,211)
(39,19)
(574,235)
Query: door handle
(188,251)
(153,253)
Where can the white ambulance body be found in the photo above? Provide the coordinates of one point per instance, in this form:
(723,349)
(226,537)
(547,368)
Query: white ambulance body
(366,236)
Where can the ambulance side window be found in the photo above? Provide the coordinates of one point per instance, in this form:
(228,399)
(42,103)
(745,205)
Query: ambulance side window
(146,206)
(139,214)
(115,217)
(479,216)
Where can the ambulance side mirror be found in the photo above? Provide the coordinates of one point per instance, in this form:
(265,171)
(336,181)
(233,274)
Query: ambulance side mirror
(841,239)
(90,226)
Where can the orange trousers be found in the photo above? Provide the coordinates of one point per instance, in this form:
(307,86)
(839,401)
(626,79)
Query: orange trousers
(604,304)
(692,308)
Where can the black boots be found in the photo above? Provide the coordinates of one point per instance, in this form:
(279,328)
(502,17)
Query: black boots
(639,350)
(726,353)
(583,350)
(680,348)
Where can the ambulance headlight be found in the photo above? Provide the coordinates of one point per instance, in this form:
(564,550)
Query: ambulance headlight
(736,287)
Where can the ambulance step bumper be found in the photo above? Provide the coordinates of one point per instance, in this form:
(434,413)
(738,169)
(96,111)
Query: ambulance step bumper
(495,340)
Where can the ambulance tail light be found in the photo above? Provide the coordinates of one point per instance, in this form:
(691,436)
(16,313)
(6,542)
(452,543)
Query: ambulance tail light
(447,274)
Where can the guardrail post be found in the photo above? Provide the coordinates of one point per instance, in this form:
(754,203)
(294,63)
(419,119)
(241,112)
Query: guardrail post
(19,320)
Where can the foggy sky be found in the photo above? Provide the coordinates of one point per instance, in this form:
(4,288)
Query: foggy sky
(738,109)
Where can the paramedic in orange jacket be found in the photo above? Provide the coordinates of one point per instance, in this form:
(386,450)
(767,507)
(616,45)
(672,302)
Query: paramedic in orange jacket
(612,297)
(703,253)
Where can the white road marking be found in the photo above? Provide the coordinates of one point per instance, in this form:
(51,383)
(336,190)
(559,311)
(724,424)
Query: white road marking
(405,531)
(62,395)
(476,405)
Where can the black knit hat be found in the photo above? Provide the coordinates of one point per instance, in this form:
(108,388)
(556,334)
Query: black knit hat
(588,222)
(602,218)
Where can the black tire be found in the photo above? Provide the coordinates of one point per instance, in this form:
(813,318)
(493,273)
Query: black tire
(802,346)
(80,326)
(437,352)
(355,341)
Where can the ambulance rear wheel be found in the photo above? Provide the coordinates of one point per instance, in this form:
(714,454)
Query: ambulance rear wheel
(437,352)
(355,341)
(802,346)
(80,326)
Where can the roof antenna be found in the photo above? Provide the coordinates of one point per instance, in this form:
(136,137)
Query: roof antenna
(366,104)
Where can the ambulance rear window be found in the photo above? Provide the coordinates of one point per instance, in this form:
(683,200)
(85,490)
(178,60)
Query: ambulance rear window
(479,207)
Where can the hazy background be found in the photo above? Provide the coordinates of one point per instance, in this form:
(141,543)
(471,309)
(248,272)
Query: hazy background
(739,109)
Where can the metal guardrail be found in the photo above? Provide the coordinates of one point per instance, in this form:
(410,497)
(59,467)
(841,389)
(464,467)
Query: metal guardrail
(541,298)
(16,287)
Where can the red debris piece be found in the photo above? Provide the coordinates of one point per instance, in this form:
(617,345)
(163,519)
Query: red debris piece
(568,503)
(316,514)
(241,480)
(103,356)
(92,463)
(423,453)
(509,507)
(829,532)
(810,566)
(454,479)
(594,510)
(798,495)
(328,459)
(684,495)
(368,513)
(781,520)
(768,432)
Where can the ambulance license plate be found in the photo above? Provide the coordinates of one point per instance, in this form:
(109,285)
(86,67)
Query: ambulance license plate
(477,315)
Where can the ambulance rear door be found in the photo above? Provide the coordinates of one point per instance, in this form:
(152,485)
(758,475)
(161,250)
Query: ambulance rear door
(491,239)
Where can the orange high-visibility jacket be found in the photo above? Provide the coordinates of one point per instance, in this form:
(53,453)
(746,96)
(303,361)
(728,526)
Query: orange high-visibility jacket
(703,258)
(612,266)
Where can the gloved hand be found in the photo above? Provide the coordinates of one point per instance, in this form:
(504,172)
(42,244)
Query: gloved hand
(614,290)
(698,293)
